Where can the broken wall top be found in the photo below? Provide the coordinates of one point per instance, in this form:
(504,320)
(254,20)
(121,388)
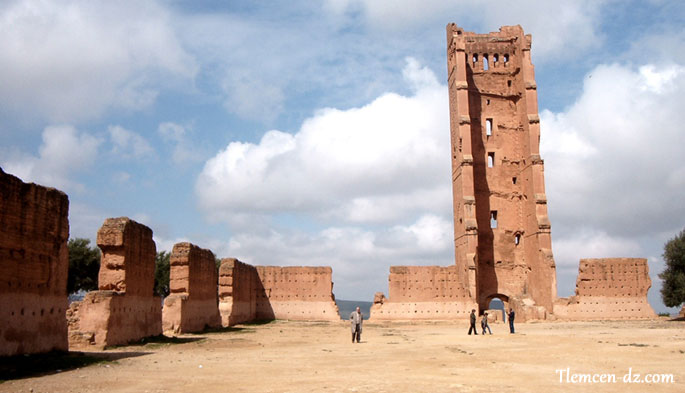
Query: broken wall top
(613,277)
(426,283)
(302,283)
(128,257)
(34,229)
(193,271)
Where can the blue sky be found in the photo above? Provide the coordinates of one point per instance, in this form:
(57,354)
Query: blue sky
(305,133)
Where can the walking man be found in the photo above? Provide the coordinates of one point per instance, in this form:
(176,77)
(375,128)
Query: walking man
(484,324)
(511,316)
(473,323)
(356,319)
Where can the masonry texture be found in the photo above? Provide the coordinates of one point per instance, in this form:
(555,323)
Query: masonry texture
(124,308)
(609,288)
(192,304)
(34,261)
(248,293)
(423,292)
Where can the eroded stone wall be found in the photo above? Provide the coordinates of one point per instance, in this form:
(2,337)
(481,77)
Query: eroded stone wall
(248,293)
(608,288)
(192,304)
(124,309)
(296,292)
(423,292)
(34,263)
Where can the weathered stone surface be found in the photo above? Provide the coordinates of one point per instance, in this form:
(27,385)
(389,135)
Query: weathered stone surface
(34,260)
(248,293)
(501,227)
(124,309)
(192,304)
(609,288)
(423,292)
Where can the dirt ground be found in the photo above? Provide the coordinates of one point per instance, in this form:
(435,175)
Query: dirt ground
(287,356)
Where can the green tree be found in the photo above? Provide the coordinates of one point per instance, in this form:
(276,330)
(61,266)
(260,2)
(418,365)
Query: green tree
(162,266)
(84,265)
(673,289)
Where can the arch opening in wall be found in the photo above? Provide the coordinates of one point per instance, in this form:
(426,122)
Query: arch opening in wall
(486,66)
(498,302)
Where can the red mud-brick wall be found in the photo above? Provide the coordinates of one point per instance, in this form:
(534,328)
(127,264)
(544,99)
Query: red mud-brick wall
(609,288)
(296,292)
(193,281)
(238,288)
(424,292)
(34,263)
(125,308)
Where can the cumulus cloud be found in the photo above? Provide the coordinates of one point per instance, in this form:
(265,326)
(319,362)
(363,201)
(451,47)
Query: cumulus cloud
(73,60)
(392,152)
(614,158)
(63,152)
(184,150)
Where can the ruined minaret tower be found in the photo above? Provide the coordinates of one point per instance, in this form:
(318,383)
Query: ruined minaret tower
(501,228)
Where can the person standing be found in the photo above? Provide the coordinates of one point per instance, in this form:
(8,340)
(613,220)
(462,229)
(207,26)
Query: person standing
(356,319)
(473,323)
(511,316)
(484,323)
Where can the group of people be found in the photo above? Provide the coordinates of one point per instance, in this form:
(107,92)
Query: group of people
(357,318)
(484,322)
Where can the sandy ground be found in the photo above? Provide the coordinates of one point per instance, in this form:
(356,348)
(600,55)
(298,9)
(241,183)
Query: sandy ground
(286,356)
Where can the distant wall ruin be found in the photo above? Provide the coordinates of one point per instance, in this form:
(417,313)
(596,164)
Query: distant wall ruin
(248,293)
(124,308)
(423,292)
(608,288)
(192,304)
(34,262)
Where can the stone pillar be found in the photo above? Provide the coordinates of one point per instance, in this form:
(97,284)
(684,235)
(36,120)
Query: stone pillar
(192,304)
(124,308)
(34,263)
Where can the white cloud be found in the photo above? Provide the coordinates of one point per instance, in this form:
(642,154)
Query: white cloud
(64,151)
(128,144)
(614,158)
(560,29)
(391,152)
(73,60)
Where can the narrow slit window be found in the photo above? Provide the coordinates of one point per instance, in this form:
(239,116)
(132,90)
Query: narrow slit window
(488,127)
(485,62)
(509,83)
(517,239)
(491,159)
(475,60)
(506,59)
(493,219)
(513,180)
(495,60)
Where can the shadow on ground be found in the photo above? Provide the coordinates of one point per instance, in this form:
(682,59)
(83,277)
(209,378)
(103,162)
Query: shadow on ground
(35,365)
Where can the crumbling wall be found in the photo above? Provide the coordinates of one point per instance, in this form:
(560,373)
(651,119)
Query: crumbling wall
(124,308)
(34,263)
(192,304)
(238,290)
(608,288)
(423,292)
(296,292)
(248,293)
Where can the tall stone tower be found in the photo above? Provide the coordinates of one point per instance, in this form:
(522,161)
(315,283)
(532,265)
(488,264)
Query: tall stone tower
(501,229)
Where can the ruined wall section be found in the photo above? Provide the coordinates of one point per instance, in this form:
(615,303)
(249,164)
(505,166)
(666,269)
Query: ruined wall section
(296,292)
(608,288)
(192,304)
(34,263)
(239,288)
(124,309)
(423,292)
(502,232)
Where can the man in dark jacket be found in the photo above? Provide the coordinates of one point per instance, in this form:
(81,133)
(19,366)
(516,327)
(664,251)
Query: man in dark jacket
(473,323)
(356,319)
(511,316)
